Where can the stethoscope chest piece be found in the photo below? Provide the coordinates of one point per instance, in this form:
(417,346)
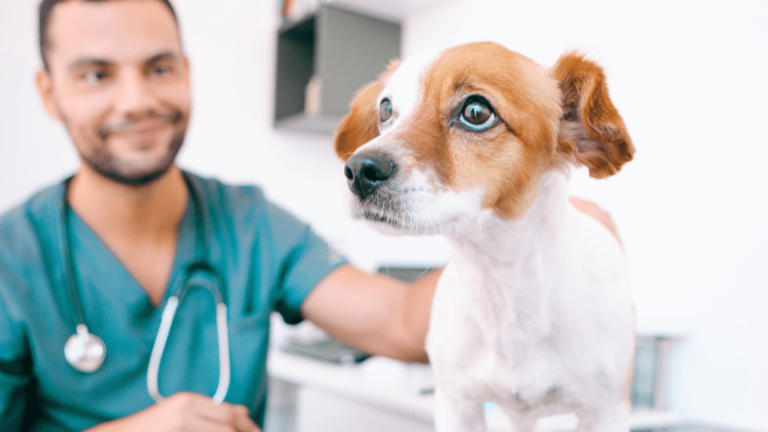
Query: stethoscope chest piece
(85,351)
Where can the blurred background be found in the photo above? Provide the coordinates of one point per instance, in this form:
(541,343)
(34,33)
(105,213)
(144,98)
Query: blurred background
(687,76)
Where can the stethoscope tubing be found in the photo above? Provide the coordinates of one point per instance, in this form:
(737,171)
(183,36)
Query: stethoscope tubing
(178,289)
(69,265)
(166,322)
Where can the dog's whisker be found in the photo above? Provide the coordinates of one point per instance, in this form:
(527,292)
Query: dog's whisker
(434,231)
(439,222)
(426,270)
(502,224)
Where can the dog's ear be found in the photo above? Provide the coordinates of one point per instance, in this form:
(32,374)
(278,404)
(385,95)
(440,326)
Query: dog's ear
(361,124)
(591,132)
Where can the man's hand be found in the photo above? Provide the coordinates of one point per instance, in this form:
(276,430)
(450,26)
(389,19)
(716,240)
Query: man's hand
(596,212)
(185,412)
(376,314)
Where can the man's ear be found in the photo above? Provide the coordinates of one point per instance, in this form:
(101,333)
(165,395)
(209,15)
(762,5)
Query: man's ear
(591,132)
(361,124)
(44,86)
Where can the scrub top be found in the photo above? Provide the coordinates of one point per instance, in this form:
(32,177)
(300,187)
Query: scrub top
(270,262)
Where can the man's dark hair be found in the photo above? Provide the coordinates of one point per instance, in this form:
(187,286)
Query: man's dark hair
(46,6)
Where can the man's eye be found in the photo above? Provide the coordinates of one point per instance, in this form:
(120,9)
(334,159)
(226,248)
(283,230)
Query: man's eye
(477,115)
(161,70)
(95,77)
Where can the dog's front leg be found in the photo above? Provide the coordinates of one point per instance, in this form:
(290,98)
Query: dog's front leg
(457,415)
(520,423)
(612,419)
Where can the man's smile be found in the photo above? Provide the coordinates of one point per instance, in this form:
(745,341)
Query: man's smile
(141,132)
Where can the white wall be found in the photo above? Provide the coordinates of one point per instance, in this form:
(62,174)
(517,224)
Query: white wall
(689,78)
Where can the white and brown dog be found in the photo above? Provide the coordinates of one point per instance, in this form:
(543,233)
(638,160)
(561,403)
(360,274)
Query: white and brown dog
(533,311)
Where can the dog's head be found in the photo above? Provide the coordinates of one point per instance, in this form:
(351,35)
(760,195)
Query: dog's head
(443,137)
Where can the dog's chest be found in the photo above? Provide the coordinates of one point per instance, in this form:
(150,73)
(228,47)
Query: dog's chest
(485,351)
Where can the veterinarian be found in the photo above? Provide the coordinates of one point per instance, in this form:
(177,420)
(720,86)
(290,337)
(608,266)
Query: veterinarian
(134,282)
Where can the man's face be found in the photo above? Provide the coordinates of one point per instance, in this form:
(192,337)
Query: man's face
(119,81)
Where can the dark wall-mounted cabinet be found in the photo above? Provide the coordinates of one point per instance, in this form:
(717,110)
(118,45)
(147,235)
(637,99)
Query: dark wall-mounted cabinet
(322,60)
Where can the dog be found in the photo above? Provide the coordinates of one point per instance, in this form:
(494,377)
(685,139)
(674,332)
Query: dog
(533,311)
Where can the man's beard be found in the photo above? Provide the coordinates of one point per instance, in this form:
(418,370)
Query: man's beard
(101,160)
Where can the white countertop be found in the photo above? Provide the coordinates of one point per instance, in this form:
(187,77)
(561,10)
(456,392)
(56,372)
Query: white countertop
(395,386)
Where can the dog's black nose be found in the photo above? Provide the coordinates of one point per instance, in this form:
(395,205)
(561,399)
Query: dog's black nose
(366,171)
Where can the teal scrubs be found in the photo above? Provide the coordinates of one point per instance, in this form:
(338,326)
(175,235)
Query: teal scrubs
(270,261)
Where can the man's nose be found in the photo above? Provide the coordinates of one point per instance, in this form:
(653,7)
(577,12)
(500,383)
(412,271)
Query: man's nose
(367,171)
(134,94)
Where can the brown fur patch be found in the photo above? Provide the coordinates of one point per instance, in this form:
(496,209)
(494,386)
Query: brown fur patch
(505,160)
(362,123)
(592,132)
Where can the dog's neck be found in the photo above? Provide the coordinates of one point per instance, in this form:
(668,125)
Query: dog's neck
(508,264)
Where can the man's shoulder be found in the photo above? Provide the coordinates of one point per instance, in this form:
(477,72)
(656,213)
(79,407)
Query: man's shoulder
(214,187)
(16,224)
(229,199)
(21,228)
(248,208)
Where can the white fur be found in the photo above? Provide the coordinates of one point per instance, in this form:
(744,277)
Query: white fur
(404,87)
(424,210)
(533,313)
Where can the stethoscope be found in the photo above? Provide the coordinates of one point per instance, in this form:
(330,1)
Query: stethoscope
(86,352)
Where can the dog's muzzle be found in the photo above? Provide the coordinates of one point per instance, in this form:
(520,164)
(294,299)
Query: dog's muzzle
(366,172)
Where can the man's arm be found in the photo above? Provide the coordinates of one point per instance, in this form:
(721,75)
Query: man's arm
(383,316)
(379,315)
(596,212)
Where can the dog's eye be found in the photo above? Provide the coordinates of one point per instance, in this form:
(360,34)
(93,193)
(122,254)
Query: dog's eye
(385,111)
(477,115)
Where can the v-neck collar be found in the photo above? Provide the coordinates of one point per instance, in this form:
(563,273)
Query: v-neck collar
(136,296)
